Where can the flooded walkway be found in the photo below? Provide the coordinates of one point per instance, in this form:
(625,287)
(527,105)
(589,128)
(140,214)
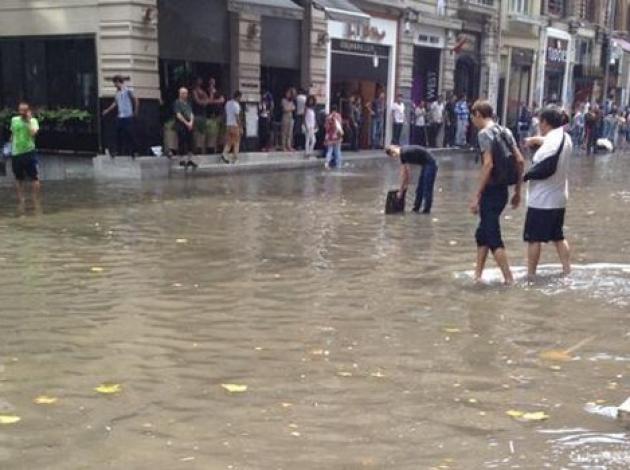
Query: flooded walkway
(283,322)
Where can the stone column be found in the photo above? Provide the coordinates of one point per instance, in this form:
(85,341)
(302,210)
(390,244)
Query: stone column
(448,63)
(489,73)
(245,44)
(318,55)
(404,81)
(127,45)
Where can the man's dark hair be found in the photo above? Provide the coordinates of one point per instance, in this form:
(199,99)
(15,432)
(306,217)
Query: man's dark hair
(117,79)
(483,109)
(237,94)
(552,115)
(333,108)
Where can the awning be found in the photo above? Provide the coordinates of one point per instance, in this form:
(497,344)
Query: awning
(275,8)
(342,10)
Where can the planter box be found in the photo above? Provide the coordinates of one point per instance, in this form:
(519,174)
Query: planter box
(67,141)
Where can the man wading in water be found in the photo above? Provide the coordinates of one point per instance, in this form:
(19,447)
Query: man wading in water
(502,166)
(416,155)
(548,191)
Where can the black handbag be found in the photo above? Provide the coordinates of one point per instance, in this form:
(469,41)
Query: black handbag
(394,205)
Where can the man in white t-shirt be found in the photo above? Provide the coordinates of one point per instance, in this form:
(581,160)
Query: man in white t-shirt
(298,127)
(436,112)
(398,115)
(548,190)
(233,131)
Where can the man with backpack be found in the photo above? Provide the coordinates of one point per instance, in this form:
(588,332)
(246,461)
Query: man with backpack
(502,166)
(548,191)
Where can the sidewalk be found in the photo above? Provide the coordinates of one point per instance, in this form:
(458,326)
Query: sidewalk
(104,168)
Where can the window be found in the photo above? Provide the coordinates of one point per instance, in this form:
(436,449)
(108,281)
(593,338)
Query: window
(521,6)
(555,7)
(57,72)
(589,10)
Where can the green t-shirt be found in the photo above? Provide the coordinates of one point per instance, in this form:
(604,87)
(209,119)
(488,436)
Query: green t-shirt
(21,138)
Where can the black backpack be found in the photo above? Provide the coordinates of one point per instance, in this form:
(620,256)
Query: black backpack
(504,167)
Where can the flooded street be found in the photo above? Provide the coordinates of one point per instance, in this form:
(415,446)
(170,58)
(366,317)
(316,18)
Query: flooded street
(361,338)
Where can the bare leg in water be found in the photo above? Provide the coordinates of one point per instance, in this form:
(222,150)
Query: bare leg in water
(500,256)
(564,253)
(533,258)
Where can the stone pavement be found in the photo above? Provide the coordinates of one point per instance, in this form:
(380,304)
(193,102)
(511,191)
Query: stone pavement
(102,167)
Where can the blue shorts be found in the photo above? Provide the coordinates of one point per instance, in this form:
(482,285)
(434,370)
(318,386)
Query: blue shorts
(25,166)
(493,201)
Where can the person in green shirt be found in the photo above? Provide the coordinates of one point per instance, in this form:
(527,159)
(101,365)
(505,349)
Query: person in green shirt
(24,129)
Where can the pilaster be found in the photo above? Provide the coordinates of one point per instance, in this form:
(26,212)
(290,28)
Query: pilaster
(246,47)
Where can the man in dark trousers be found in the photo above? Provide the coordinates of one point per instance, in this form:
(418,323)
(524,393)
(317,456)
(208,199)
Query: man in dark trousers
(416,155)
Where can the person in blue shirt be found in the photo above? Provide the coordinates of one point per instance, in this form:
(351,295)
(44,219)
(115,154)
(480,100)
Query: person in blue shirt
(128,106)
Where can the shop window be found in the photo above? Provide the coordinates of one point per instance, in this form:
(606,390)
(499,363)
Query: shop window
(48,72)
(556,7)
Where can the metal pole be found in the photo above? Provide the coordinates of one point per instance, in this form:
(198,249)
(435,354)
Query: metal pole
(610,9)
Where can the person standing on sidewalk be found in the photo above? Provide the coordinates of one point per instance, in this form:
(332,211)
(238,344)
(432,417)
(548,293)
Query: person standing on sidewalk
(416,155)
(419,134)
(548,191)
(450,120)
(377,112)
(128,106)
(24,129)
(310,126)
(437,116)
(334,137)
(463,117)
(299,137)
(200,102)
(398,115)
(492,195)
(286,131)
(233,125)
(184,125)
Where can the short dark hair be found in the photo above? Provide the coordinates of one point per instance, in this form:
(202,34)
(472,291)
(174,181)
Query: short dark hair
(118,79)
(483,108)
(552,115)
(237,94)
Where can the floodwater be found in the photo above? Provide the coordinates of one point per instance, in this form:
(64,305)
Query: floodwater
(361,339)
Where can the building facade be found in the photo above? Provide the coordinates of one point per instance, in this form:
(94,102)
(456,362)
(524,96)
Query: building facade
(63,53)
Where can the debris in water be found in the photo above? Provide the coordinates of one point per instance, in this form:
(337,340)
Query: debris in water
(181,240)
(452,330)
(9,419)
(527,416)
(565,355)
(97,269)
(234,388)
(344,374)
(109,389)
(45,400)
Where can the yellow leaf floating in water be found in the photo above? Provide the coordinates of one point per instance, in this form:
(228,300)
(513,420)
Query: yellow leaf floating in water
(45,400)
(526,416)
(109,389)
(452,330)
(234,388)
(97,269)
(556,355)
(344,374)
(9,419)
(181,240)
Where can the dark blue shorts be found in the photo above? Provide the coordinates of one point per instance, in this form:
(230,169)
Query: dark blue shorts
(492,203)
(25,166)
(544,225)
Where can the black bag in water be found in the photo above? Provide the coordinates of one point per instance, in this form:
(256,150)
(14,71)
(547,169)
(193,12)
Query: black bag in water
(393,205)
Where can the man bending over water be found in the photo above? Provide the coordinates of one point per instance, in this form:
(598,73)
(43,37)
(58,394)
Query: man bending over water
(416,155)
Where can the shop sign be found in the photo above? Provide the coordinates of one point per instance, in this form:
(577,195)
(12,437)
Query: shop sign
(468,43)
(557,51)
(361,48)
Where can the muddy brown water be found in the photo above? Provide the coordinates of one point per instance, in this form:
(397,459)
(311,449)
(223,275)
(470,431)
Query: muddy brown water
(360,337)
